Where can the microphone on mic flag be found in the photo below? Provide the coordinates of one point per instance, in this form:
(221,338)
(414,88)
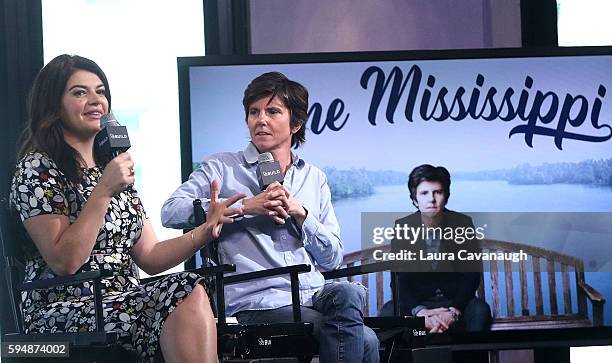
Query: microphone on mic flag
(111,140)
(268,170)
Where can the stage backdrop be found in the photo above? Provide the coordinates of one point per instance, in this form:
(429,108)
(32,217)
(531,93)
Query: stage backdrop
(520,133)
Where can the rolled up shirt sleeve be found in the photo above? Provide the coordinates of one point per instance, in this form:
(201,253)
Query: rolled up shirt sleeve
(321,231)
(177,211)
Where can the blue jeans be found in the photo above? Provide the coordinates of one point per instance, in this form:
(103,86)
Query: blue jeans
(337,317)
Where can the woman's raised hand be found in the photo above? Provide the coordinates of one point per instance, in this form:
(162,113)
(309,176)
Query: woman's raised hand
(219,213)
(118,174)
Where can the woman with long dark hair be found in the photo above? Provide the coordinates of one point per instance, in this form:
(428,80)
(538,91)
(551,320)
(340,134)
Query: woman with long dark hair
(84,216)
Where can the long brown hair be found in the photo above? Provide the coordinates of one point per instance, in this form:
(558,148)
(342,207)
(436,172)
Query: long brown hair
(45,131)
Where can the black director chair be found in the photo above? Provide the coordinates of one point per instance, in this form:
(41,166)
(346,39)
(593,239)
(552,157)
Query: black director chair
(278,342)
(398,335)
(96,346)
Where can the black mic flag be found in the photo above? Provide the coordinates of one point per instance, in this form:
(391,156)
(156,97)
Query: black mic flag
(268,170)
(111,140)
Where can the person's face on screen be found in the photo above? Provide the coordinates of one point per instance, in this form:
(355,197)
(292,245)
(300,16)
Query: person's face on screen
(269,125)
(83,104)
(430,197)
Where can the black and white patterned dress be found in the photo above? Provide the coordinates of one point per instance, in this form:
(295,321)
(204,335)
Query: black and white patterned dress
(136,311)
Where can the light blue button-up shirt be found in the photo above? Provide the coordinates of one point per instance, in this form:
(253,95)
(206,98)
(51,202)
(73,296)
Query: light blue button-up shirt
(256,242)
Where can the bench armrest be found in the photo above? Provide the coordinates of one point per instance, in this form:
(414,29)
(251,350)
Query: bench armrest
(65,280)
(593,295)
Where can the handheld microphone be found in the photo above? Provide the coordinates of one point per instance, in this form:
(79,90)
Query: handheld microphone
(111,140)
(268,170)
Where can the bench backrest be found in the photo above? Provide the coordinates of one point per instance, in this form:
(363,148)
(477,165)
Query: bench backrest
(544,270)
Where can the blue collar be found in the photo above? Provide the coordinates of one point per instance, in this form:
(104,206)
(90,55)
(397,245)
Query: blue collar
(251,154)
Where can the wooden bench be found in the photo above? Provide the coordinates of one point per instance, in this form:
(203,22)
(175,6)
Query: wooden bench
(497,287)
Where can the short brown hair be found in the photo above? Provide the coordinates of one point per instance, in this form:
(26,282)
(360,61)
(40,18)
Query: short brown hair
(293,95)
(429,173)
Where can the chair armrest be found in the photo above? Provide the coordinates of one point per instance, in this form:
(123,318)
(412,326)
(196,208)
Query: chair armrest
(366,269)
(293,272)
(204,271)
(216,271)
(213,270)
(65,280)
(358,270)
(593,295)
(266,273)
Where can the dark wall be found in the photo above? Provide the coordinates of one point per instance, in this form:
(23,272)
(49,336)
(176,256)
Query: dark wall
(226,27)
(20,60)
(539,23)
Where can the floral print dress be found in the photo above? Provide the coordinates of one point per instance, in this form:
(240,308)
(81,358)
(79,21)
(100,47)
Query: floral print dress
(137,312)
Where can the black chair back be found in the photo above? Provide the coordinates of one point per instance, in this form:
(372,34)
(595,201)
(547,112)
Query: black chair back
(11,242)
(209,254)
